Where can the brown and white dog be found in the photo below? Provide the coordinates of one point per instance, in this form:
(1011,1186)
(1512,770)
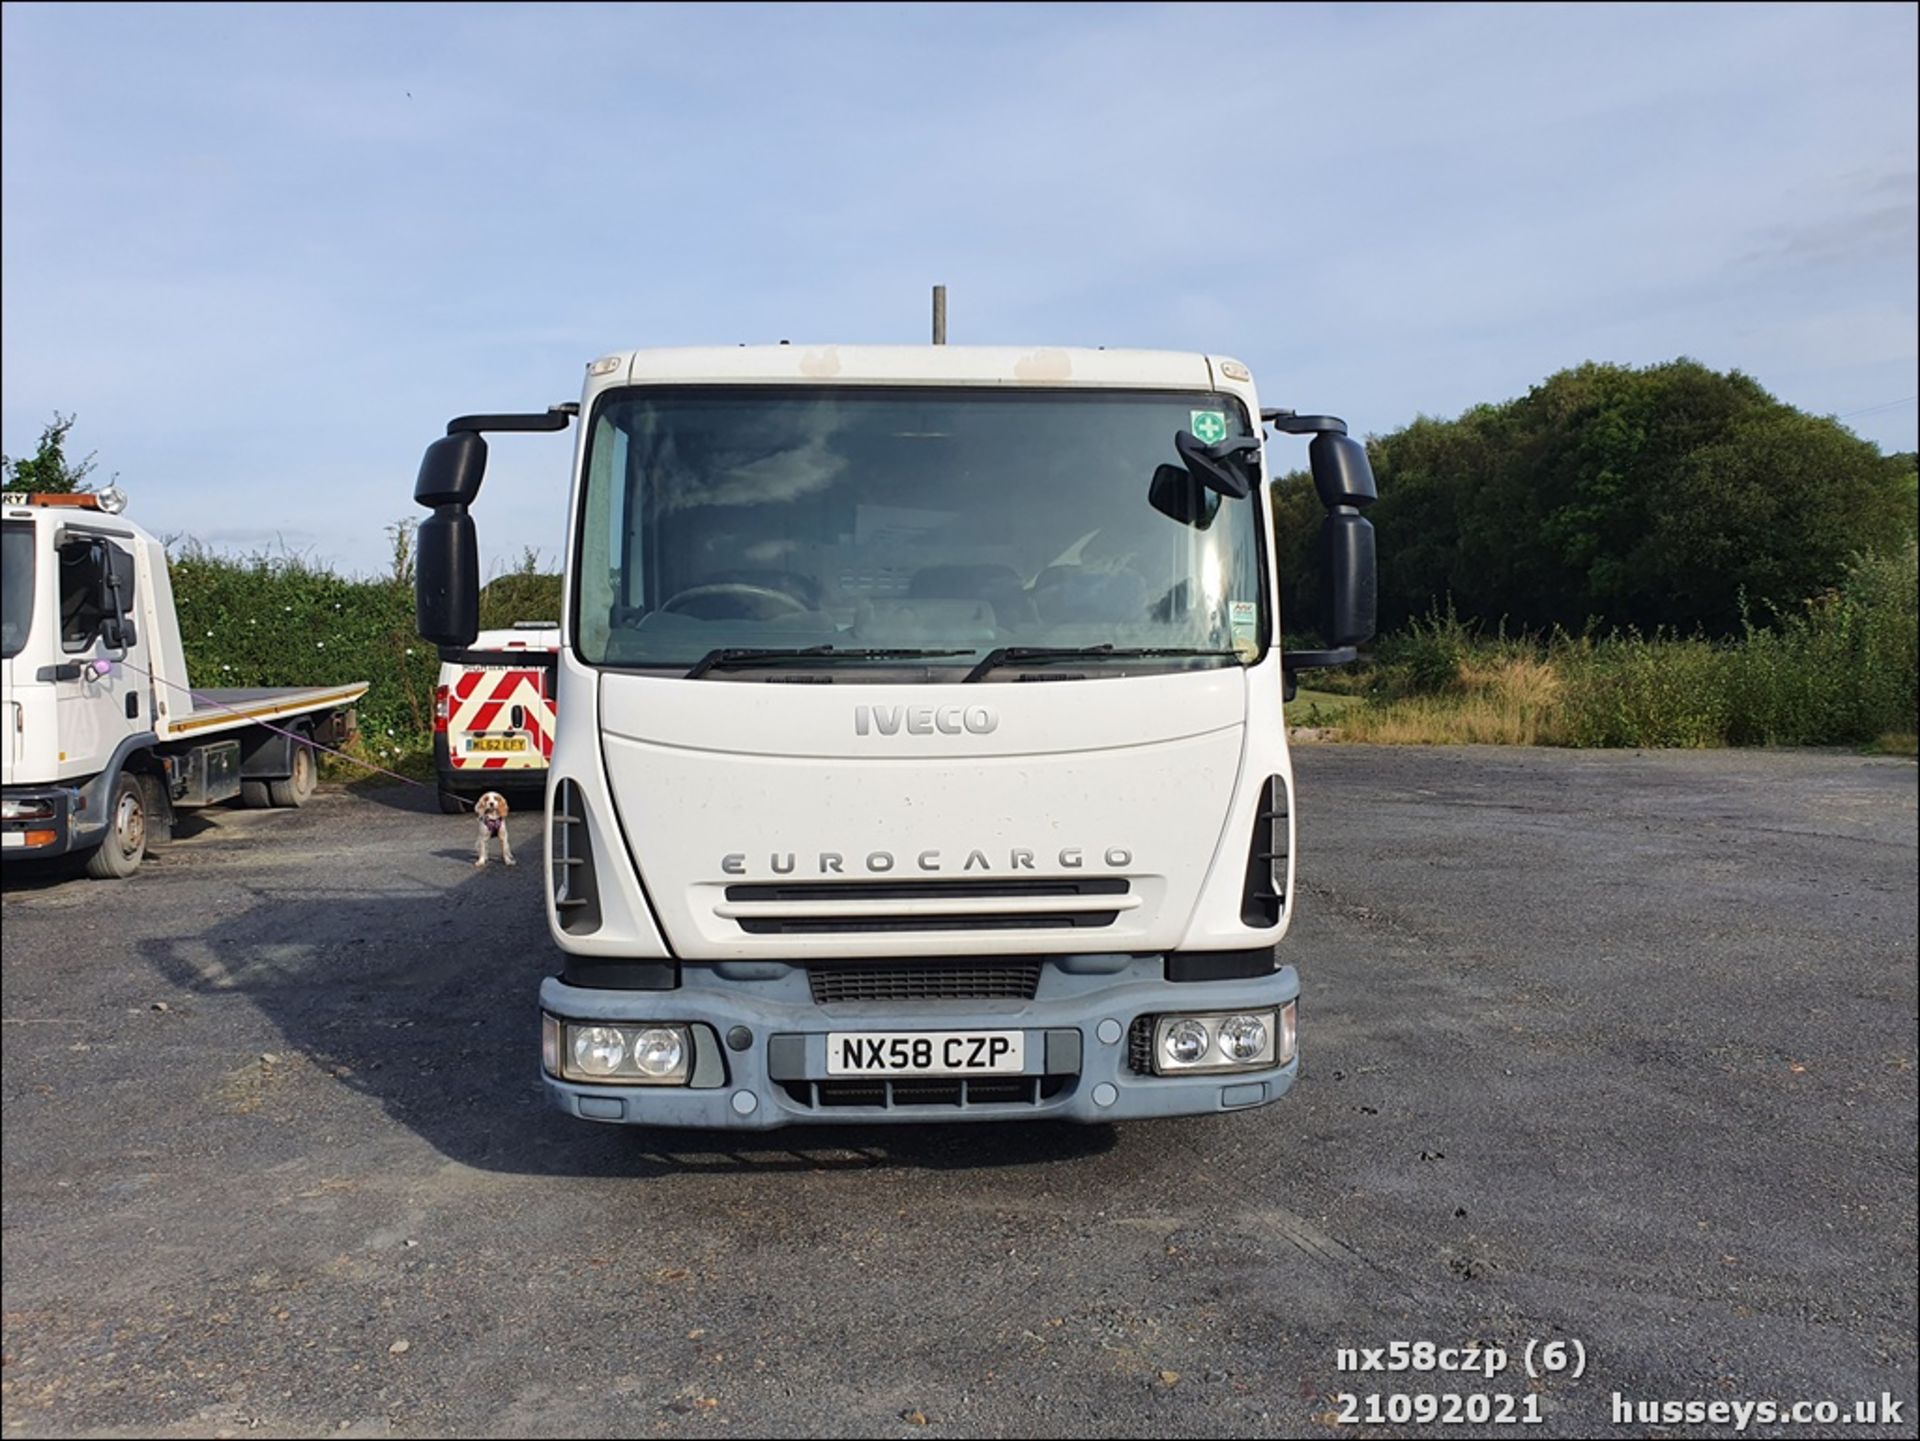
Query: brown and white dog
(491,810)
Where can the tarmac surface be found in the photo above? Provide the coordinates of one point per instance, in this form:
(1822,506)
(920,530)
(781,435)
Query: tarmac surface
(1608,1048)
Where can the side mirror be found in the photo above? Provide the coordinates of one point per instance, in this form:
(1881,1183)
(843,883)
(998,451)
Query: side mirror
(1349,588)
(1348,585)
(1178,496)
(1341,471)
(116,581)
(116,634)
(451,470)
(446,573)
(446,590)
(1228,467)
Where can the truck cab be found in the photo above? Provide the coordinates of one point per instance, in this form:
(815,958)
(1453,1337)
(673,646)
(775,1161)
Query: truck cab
(919,747)
(76,640)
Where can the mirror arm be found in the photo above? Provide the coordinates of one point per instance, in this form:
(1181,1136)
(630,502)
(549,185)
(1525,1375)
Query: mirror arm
(555,417)
(1289,423)
(1294,661)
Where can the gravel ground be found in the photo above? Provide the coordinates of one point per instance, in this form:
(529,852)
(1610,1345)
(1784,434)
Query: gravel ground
(1613,1048)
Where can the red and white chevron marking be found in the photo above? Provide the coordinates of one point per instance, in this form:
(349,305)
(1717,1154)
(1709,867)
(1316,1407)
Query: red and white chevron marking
(481,703)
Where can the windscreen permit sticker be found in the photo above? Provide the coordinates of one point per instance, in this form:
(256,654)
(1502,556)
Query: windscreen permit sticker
(1244,616)
(1208,426)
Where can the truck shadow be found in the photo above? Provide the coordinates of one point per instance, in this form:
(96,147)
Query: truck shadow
(421,996)
(25,876)
(387,792)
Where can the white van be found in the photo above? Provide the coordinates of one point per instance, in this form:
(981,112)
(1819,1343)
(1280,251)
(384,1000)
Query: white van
(493,714)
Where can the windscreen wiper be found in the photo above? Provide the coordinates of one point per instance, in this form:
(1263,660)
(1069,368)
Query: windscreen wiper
(727,657)
(1041,654)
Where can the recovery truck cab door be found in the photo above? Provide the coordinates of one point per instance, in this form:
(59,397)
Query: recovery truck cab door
(99,660)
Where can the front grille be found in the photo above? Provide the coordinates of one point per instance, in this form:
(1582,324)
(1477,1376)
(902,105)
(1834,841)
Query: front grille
(945,1092)
(925,981)
(840,907)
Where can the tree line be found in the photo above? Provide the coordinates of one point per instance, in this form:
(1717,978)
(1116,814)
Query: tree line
(1668,497)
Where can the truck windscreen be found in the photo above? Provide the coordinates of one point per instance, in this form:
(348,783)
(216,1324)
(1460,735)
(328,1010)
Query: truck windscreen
(963,520)
(16,587)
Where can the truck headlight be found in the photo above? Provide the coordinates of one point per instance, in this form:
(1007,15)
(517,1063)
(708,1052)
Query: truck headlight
(1185,1043)
(1243,1038)
(598,1050)
(629,1054)
(1231,1041)
(26,810)
(660,1052)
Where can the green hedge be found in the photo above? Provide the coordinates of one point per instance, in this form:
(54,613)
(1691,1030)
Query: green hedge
(281,621)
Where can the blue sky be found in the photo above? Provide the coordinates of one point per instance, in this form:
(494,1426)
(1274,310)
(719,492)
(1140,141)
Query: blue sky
(265,252)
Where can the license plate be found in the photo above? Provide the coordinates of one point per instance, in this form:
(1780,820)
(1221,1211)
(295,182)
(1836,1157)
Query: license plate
(926,1053)
(496,743)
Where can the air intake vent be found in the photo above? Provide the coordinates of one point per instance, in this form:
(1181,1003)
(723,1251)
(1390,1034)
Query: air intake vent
(1265,896)
(934,1093)
(576,894)
(1140,1045)
(925,981)
(829,907)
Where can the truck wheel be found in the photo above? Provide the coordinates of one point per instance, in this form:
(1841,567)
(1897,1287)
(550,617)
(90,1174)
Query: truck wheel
(452,805)
(255,796)
(298,787)
(119,856)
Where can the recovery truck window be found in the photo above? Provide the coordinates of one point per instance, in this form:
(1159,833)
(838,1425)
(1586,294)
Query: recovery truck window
(83,583)
(80,609)
(867,519)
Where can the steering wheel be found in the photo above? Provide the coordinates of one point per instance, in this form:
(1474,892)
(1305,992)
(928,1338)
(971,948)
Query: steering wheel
(739,590)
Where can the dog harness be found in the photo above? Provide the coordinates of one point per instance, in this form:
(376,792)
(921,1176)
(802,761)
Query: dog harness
(492,824)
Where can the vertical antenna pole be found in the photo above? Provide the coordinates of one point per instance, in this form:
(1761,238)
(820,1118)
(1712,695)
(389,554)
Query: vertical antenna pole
(939,315)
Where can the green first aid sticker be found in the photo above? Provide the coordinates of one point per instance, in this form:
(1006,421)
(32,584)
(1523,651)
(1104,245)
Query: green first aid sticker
(1209,426)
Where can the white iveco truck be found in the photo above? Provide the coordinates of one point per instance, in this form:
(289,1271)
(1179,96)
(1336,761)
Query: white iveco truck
(919,751)
(106,739)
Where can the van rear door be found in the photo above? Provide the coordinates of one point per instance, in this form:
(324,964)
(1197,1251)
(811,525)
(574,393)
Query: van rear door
(500,713)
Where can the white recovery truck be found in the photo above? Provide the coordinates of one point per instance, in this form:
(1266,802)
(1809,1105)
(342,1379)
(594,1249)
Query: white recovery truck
(105,738)
(920,752)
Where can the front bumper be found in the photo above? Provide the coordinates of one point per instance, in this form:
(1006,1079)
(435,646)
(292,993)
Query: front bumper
(42,836)
(1077,1031)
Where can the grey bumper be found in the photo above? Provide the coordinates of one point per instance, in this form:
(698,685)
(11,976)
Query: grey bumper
(69,827)
(1077,1031)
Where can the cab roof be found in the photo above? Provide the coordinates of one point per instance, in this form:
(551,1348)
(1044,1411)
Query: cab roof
(916,365)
